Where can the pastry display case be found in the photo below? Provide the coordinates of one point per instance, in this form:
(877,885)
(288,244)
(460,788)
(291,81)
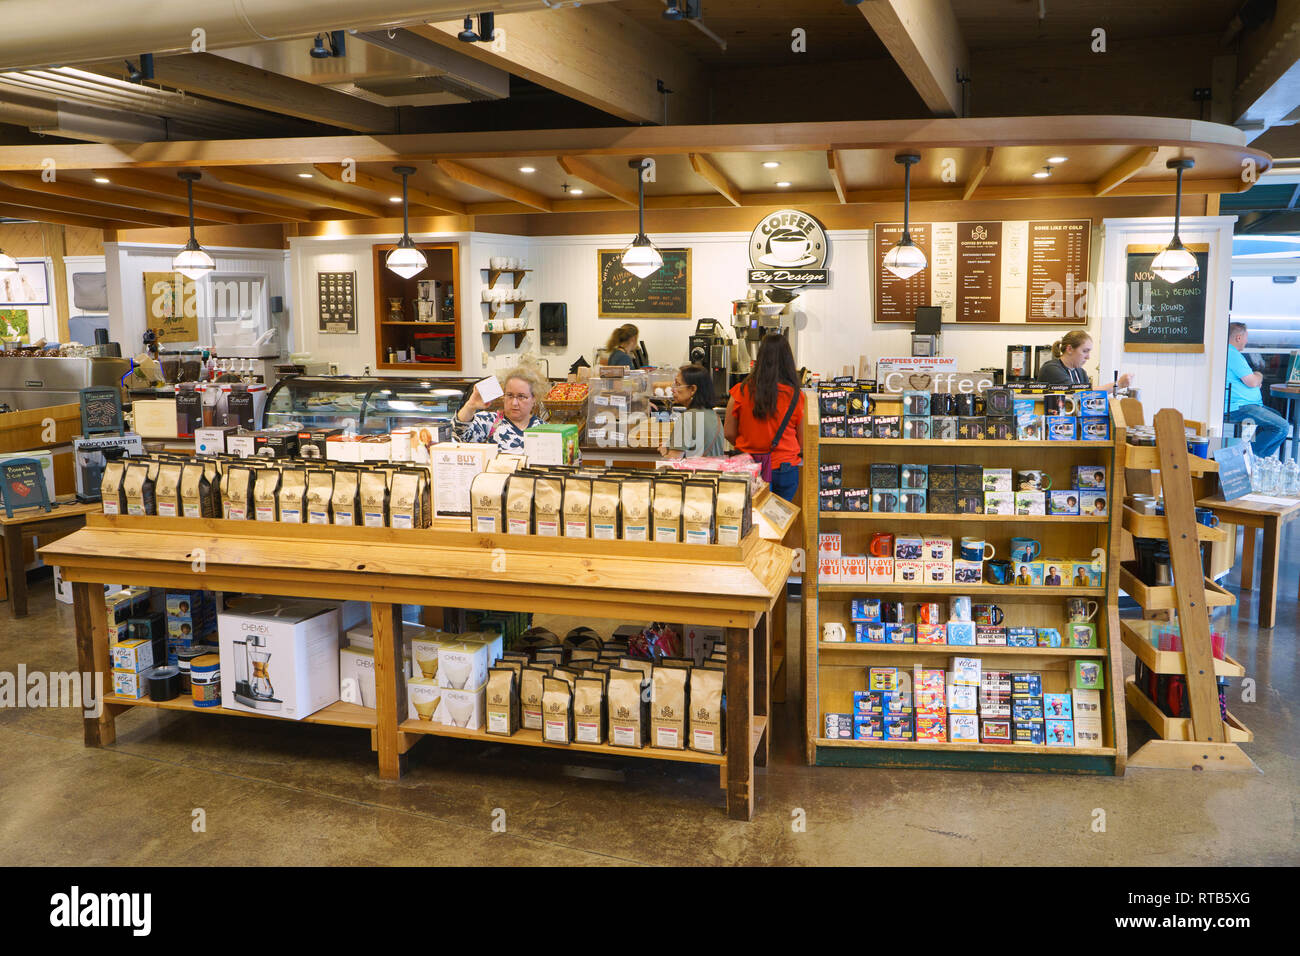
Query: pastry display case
(364,405)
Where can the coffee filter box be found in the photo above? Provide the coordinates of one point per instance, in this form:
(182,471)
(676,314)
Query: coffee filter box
(461,707)
(463,664)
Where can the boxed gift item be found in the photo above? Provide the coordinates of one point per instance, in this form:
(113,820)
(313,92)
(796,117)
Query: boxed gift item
(1031,503)
(857,499)
(1089,476)
(1060,733)
(1094,428)
(830,475)
(1065,502)
(839,726)
(551,444)
(885,475)
(1061,427)
(961,633)
(279,655)
(908,572)
(997,479)
(937,572)
(1092,501)
(880,570)
(999,503)
(461,707)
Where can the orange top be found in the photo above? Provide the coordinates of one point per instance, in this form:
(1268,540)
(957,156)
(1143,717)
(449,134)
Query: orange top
(756,434)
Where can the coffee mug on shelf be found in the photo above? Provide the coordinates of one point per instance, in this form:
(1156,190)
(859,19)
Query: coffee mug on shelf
(987,615)
(1000,572)
(914,502)
(882,545)
(976,549)
(1033,480)
(1198,445)
(959,608)
(1082,634)
(1025,549)
(1207,517)
(893,612)
(1080,609)
(1058,404)
(833,633)
(929,613)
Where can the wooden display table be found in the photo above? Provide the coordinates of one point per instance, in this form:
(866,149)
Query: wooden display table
(1257,516)
(64,519)
(736,588)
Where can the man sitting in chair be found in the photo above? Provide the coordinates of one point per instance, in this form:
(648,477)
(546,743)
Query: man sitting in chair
(1245,402)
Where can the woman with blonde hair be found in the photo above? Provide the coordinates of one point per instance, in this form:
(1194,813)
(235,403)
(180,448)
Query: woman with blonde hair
(1069,353)
(523,388)
(622,343)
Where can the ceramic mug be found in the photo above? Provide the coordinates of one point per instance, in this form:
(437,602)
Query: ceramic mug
(1080,609)
(914,502)
(1033,480)
(1000,572)
(1025,549)
(1207,517)
(987,615)
(930,613)
(960,608)
(976,549)
(882,545)
(833,633)
(1057,404)
(1082,635)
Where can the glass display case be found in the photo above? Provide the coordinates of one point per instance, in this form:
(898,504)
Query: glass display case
(365,406)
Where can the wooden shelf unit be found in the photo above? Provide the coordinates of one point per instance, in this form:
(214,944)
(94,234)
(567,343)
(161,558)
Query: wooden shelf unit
(1206,740)
(444,265)
(739,589)
(834,670)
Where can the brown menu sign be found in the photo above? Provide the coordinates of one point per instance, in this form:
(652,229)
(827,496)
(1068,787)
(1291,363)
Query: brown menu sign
(979,271)
(897,299)
(1058,269)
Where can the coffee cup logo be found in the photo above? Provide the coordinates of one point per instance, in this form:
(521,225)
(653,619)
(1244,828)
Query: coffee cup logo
(788,240)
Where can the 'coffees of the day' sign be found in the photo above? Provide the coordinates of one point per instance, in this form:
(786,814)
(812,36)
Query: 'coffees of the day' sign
(788,249)
(931,374)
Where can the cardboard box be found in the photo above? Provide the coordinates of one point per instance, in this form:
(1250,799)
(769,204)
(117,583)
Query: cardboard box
(1061,427)
(962,698)
(1027,574)
(462,707)
(990,635)
(551,444)
(900,633)
(463,664)
(997,479)
(1094,428)
(1031,503)
(1028,732)
(871,633)
(1058,705)
(932,634)
(937,549)
(995,730)
(999,503)
(131,684)
(830,475)
(937,572)
(1026,708)
(839,726)
(908,572)
(1088,675)
(857,499)
(869,727)
(829,545)
(963,728)
(302,639)
(961,633)
(134,655)
(853,570)
(1088,476)
(1057,573)
(241,445)
(967,572)
(830,499)
(829,571)
(1060,733)
(1022,637)
(422,698)
(454,466)
(964,670)
(212,441)
(1092,501)
(1048,637)
(1064,502)
(880,570)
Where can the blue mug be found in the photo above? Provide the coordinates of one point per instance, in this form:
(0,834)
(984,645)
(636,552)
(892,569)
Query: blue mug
(1207,517)
(1198,446)
(1000,571)
(1025,549)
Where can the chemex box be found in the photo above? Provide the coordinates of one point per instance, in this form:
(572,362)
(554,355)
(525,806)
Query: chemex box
(279,656)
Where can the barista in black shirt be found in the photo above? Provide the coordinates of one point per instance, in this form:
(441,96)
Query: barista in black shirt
(1070,353)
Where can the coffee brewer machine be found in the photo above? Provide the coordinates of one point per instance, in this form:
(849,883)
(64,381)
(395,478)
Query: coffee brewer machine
(253,686)
(91,454)
(753,317)
(1042,353)
(710,347)
(925,336)
(1019,367)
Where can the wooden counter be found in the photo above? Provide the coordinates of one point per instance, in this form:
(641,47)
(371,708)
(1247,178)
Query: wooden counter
(736,588)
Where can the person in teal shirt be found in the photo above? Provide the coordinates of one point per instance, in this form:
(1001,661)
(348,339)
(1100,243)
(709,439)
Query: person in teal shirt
(1246,402)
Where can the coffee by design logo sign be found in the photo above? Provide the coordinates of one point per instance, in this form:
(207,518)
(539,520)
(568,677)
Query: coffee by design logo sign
(788,249)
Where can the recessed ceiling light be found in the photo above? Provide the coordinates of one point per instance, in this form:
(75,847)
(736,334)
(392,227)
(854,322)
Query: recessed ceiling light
(304,175)
(394,198)
(1057,160)
(783,185)
(771,164)
(1043,173)
(527,169)
(575,192)
(101,179)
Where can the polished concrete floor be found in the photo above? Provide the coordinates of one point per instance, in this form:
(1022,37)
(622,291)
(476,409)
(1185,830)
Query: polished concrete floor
(291,794)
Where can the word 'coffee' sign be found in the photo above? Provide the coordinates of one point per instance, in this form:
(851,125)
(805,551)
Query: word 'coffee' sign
(788,250)
(928,374)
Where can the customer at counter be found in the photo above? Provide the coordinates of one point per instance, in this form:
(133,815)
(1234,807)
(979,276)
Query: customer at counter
(700,432)
(765,412)
(622,343)
(475,423)
(1069,354)
(1246,401)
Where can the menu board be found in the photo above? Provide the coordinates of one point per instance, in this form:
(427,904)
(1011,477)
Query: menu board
(979,271)
(1058,269)
(22,484)
(897,299)
(994,273)
(665,294)
(1164,316)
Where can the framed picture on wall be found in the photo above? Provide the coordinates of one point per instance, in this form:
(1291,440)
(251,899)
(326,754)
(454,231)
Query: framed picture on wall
(172,306)
(28,286)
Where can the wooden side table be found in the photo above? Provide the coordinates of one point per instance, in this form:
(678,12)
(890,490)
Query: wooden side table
(1257,516)
(67,517)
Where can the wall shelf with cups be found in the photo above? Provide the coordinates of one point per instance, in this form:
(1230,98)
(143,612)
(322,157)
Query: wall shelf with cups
(1063,591)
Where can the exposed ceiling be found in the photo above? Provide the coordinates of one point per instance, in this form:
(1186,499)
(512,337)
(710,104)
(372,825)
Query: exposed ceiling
(991,24)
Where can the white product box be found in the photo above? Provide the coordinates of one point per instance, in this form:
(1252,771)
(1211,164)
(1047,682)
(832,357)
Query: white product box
(375,448)
(463,664)
(495,641)
(853,569)
(424,656)
(462,708)
(343,448)
(1031,502)
(909,572)
(999,502)
(964,670)
(241,446)
(829,571)
(880,570)
(422,697)
(963,727)
(357,675)
(302,639)
(133,655)
(130,684)
(962,698)
(937,549)
(62,587)
(997,479)
(829,546)
(212,441)
(454,465)
(938,572)
(699,640)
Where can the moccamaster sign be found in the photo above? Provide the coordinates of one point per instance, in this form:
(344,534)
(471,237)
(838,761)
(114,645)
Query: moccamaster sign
(788,249)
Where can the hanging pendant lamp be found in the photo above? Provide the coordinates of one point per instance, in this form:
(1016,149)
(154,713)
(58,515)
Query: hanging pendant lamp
(1174,263)
(7,262)
(192,262)
(906,259)
(641,258)
(405,260)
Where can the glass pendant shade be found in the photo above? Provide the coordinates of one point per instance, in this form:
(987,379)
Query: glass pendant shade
(192,262)
(641,258)
(1174,263)
(406,260)
(906,259)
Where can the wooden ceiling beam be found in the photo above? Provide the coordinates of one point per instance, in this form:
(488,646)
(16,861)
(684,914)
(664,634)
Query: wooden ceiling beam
(171,185)
(285,190)
(37,199)
(106,195)
(498,187)
(581,169)
(977,174)
(925,40)
(1125,169)
(208,74)
(12,211)
(391,187)
(710,173)
(836,167)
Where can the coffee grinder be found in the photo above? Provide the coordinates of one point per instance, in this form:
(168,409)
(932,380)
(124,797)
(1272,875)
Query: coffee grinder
(90,455)
(709,347)
(256,692)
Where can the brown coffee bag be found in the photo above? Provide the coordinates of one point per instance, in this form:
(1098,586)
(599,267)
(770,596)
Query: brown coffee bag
(668,713)
(167,490)
(112,488)
(320,492)
(519,504)
(139,490)
(589,710)
(635,498)
(667,510)
(404,500)
(237,493)
(605,508)
(502,706)
(293,495)
(266,494)
(557,711)
(627,709)
(196,492)
(345,499)
(487,496)
(697,512)
(708,724)
(577,507)
(530,697)
(548,506)
(374,499)
(733,510)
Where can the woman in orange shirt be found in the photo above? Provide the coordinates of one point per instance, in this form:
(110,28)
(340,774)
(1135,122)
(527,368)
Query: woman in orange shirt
(765,414)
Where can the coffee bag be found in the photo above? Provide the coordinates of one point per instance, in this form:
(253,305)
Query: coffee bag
(502,707)
(519,504)
(345,499)
(293,495)
(707,725)
(697,512)
(404,500)
(635,499)
(667,510)
(577,507)
(548,505)
(167,492)
(320,492)
(589,710)
(733,510)
(374,499)
(237,500)
(557,710)
(530,697)
(112,487)
(266,493)
(627,709)
(196,492)
(668,711)
(605,507)
(139,490)
(487,495)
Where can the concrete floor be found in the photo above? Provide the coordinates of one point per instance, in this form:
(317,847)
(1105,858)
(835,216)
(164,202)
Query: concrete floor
(290,794)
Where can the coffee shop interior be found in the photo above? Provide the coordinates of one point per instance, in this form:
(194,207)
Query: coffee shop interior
(317,328)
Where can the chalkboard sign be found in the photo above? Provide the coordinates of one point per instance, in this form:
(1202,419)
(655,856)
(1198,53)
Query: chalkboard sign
(665,294)
(101,411)
(1164,316)
(22,483)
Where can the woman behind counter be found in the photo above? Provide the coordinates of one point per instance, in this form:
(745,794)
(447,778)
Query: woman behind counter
(701,432)
(622,343)
(474,423)
(1069,354)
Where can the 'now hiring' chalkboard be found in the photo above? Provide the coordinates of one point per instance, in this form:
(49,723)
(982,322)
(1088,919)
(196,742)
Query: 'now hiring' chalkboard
(1162,316)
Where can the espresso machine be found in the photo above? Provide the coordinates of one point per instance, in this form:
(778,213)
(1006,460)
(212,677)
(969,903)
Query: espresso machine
(710,347)
(761,312)
(253,686)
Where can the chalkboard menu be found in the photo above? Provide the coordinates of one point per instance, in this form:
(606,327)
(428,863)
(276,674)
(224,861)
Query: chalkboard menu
(101,411)
(22,485)
(1164,316)
(665,294)
(1058,270)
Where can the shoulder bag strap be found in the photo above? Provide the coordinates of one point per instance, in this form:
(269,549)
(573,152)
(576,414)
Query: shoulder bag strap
(789,413)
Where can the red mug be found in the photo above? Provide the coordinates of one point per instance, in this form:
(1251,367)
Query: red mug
(929,614)
(882,545)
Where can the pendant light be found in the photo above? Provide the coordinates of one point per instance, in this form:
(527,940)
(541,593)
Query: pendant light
(1175,263)
(192,262)
(405,260)
(641,258)
(7,262)
(906,259)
